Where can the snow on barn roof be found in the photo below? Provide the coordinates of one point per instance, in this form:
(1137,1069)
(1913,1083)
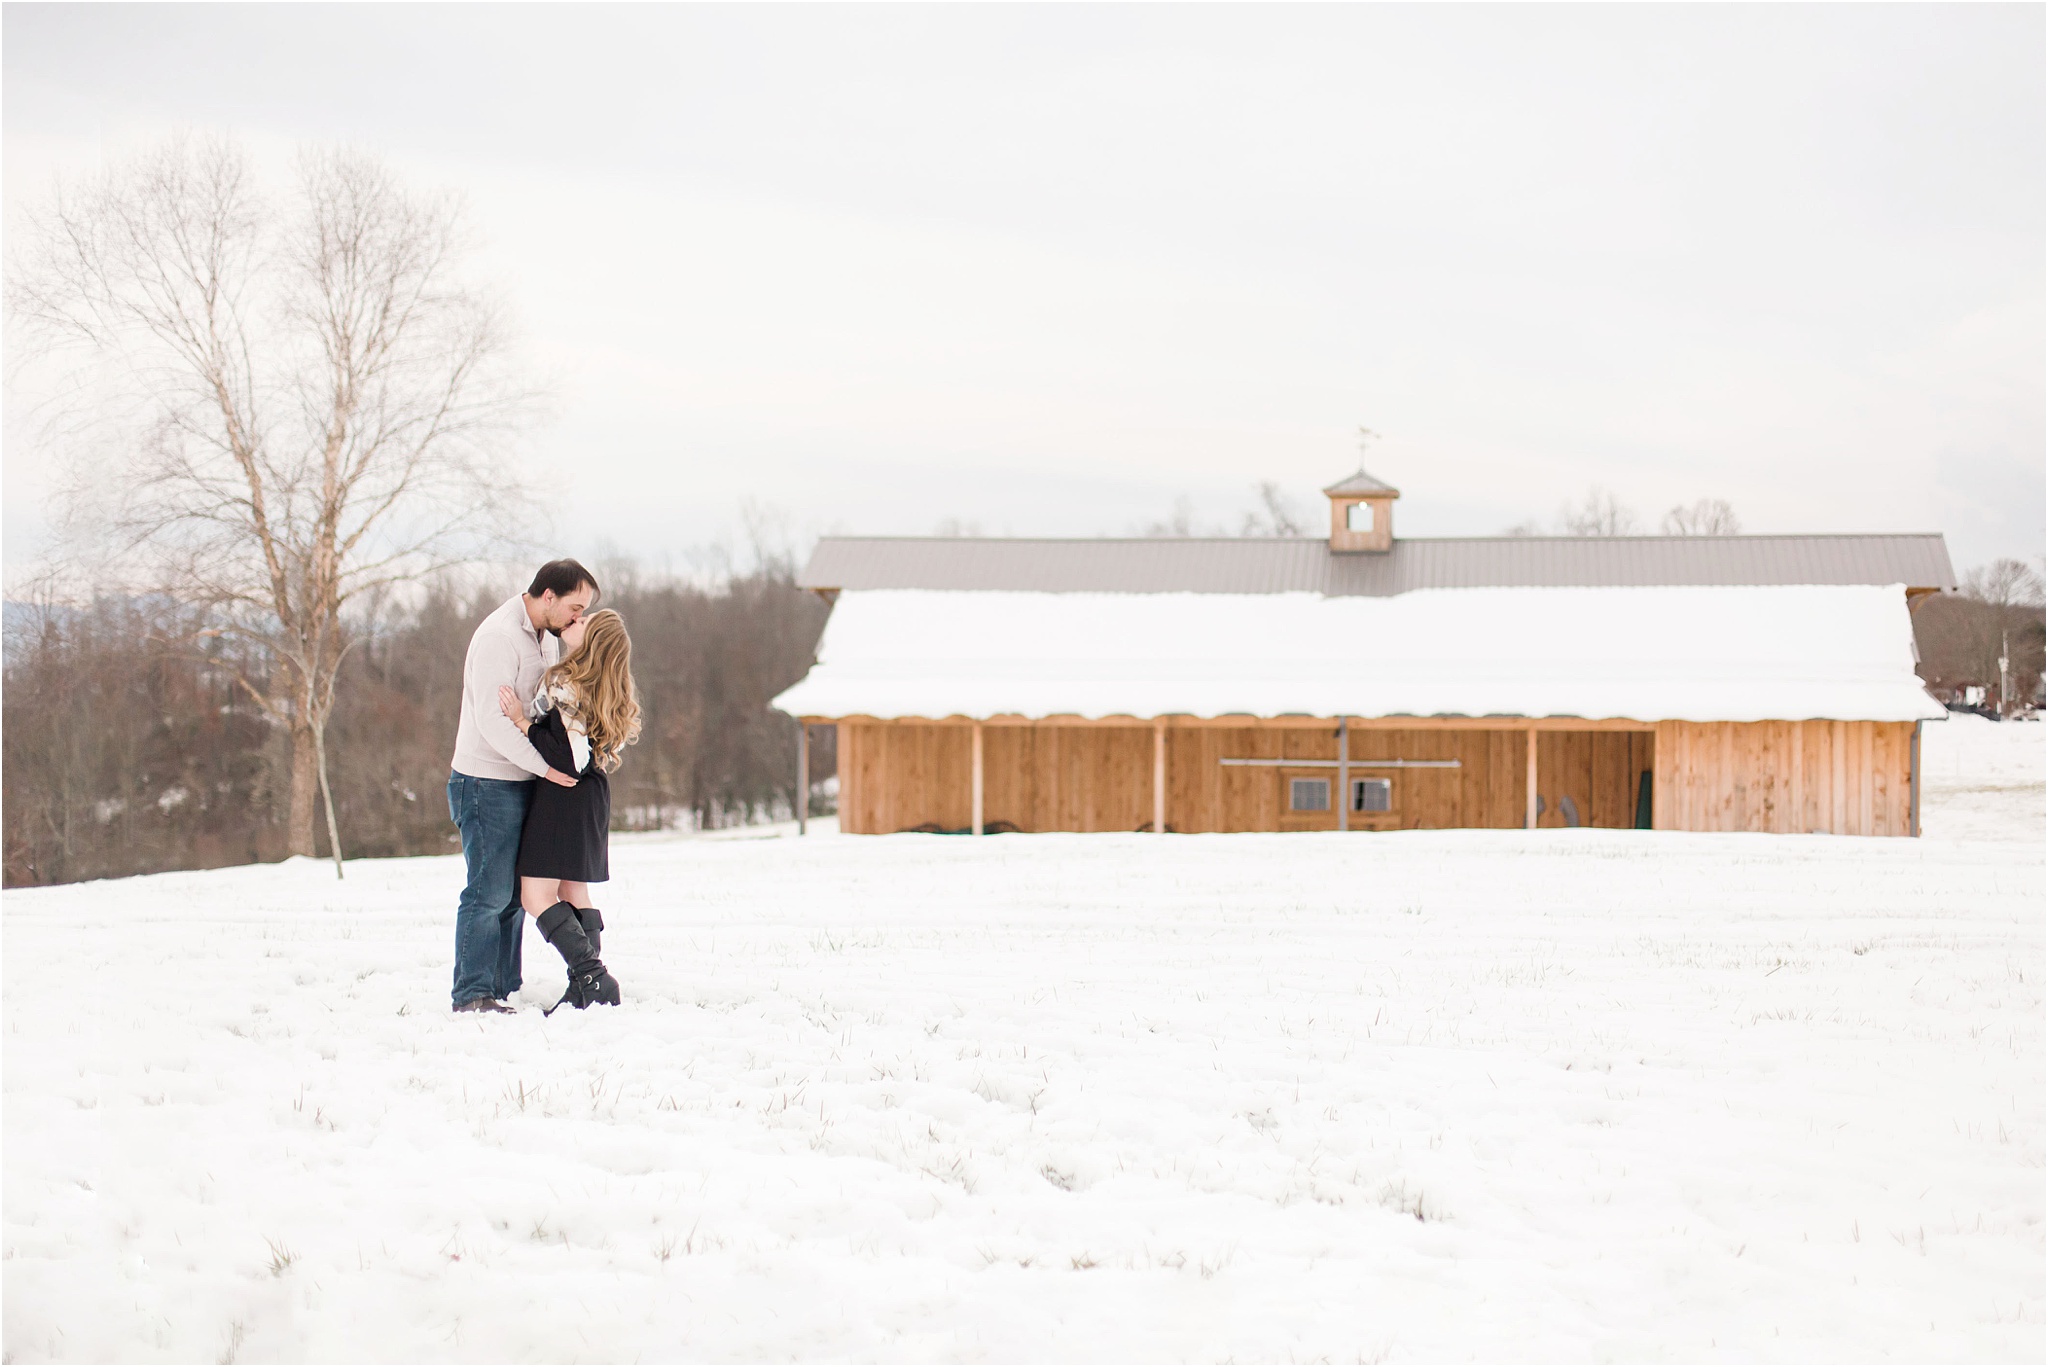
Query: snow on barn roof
(1307,564)
(1650,654)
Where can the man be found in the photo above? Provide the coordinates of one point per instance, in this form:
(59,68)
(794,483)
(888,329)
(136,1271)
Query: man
(493,773)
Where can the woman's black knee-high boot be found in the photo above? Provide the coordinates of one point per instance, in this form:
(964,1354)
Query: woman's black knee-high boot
(588,979)
(593,927)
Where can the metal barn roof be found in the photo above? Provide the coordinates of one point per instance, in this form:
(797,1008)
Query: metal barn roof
(1306,564)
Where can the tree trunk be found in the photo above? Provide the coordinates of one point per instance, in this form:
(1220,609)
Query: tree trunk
(327,799)
(305,788)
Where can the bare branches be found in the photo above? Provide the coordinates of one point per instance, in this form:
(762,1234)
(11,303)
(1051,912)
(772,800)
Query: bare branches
(2004,583)
(1963,636)
(1599,513)
(292,404)
(1703,517)
(1276,514)
(1272,513)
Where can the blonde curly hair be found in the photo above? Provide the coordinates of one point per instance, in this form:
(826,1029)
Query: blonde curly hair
(599,679)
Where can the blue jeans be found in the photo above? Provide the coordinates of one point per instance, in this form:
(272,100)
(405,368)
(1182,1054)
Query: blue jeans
(490,813)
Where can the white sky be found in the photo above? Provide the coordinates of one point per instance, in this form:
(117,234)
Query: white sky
(1045,269)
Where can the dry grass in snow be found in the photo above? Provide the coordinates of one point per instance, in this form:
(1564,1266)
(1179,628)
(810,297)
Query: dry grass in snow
(1569,1094)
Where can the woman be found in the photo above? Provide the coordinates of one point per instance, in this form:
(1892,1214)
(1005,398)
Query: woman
(586,713)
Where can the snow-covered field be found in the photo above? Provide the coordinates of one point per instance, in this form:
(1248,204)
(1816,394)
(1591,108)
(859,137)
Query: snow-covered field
(1452,1095)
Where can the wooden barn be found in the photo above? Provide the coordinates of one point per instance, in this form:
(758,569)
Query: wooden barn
(1367,682)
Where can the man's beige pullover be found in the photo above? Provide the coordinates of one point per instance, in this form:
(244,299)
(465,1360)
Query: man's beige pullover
(505,650)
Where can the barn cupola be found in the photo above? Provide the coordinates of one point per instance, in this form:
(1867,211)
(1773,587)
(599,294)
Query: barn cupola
(1361,514)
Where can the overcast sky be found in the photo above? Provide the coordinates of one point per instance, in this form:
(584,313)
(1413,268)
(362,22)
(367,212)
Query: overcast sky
(1046,269)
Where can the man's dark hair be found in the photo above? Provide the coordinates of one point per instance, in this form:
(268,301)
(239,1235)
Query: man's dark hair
(561,578)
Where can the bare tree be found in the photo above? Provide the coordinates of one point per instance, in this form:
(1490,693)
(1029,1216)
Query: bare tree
(309,403)
(1962,637)
(1273,514)
(1599,513)
(1180,523)
(1276,514)
(1703,517)
(2004,583)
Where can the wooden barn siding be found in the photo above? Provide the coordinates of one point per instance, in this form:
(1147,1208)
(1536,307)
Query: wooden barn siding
(1597,770)
(894,776)
(1051,777)
(1836,777)
(1068,778)
(1205,795)
(1848,778)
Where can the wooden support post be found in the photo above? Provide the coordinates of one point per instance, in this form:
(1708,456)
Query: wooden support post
(1666,746)
(803,777)
(1913,783)
(1159,777)
(1866,785)
(1800,825)
(1838,804)
(1529,819)
(1343,773)
(977,778)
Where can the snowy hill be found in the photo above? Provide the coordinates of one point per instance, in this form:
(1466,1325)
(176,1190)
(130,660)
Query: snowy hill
(1496,1094)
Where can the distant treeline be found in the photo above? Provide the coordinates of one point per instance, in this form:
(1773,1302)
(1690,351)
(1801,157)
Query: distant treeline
(1960,637)
(132,743)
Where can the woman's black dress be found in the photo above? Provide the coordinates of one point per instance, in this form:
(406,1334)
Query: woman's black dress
(566,828)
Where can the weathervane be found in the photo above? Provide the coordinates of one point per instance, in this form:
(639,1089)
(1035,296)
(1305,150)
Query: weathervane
(1365,437)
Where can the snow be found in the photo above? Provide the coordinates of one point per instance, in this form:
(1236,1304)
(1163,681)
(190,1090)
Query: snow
(1567,1094)
(1983,779)
(1786,653)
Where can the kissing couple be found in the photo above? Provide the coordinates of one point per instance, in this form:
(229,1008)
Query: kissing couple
(548,706)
